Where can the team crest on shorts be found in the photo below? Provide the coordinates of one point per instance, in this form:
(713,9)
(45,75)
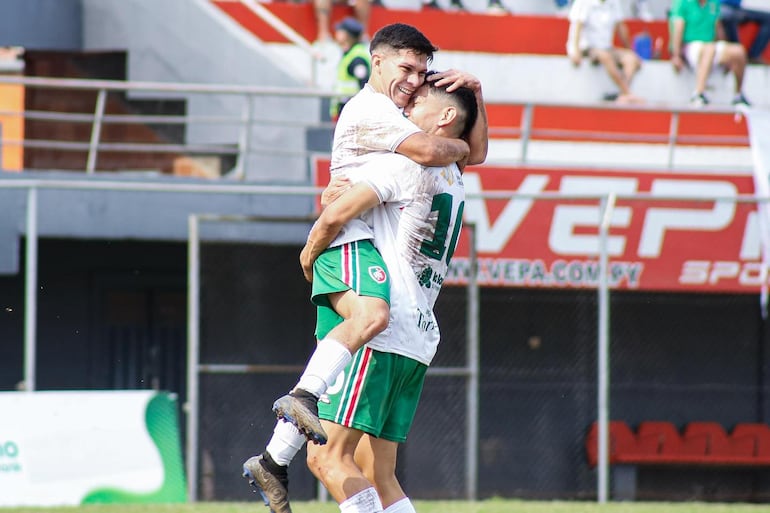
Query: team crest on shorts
(378,274)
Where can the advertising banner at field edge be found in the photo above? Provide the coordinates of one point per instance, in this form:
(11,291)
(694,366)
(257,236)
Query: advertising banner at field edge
(654,244)
(72,448)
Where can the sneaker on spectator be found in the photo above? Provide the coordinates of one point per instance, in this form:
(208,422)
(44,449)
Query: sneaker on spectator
(456,5)
(698,100)
(497,7)
(432,4)
(739,99)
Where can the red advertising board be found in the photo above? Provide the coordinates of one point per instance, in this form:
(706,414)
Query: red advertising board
(654,244)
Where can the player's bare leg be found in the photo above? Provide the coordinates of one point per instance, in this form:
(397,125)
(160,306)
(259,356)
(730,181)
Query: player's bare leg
(364,317)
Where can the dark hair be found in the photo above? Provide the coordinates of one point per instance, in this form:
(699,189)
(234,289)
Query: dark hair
(401,36)
(462,98)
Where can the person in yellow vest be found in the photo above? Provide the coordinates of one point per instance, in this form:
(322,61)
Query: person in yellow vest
(354,66)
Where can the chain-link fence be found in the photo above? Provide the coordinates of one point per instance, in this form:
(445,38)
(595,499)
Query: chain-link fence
(256,326)
(691,350)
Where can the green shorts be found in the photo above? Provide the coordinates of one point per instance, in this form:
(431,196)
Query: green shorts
(356,266)
(377,393)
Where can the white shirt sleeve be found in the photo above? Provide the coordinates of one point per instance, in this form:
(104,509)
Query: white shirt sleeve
(390,176)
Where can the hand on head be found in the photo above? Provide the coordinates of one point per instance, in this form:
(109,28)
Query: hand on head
(454,79)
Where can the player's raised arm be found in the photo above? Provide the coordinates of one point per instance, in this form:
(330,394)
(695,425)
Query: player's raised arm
(433,150)
(478,140)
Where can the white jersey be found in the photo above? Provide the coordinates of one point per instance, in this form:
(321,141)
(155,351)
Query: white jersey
(416,228)
(369,125)
(599,18)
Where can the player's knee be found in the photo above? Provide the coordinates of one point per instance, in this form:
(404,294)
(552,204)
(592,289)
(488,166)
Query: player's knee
(315,465)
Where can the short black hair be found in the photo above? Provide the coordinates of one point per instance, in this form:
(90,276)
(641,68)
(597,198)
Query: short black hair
(401,36)
(462,98)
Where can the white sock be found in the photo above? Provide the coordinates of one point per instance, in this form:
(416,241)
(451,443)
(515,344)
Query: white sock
(328,360)
(285,442)
(365,501)
(401,506)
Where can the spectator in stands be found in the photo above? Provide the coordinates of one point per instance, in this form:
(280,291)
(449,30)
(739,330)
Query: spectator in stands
(733,14)
(323,9)
(693,36)
(593,24)
(493,6)
(354,66)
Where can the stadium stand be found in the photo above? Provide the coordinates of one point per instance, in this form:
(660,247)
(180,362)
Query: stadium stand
(699,443)
(525,104)
(519,33)
(657,444)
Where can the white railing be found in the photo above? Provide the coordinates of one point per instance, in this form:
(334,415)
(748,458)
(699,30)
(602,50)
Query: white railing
(250,120)
(98,119)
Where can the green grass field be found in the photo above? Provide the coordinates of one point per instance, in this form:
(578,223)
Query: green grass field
(487,506)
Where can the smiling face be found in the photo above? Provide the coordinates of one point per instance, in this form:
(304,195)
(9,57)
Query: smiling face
(425,110)
(398,73)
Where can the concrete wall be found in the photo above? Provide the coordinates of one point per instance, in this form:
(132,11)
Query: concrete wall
(199,45)
(537,78)
(121,215)
(192,41)
(553,79)
(41,24)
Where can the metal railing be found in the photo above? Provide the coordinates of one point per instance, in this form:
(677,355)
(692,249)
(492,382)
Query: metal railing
(527,132)
(99,119)
(523,129)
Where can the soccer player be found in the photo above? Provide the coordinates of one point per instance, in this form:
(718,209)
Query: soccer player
(416,214)
(375,124)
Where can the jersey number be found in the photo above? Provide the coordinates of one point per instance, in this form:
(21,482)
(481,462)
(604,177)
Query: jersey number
(435,248)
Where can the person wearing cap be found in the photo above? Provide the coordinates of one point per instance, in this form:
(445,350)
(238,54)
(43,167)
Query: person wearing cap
(354,66)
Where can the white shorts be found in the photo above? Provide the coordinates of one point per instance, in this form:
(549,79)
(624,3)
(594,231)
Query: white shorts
(691,52)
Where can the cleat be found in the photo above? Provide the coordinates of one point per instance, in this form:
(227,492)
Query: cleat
(301,409)
(270,480)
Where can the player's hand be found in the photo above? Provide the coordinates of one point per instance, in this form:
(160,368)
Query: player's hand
(454,79)
(337,186)
(576,58)
(306,263)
